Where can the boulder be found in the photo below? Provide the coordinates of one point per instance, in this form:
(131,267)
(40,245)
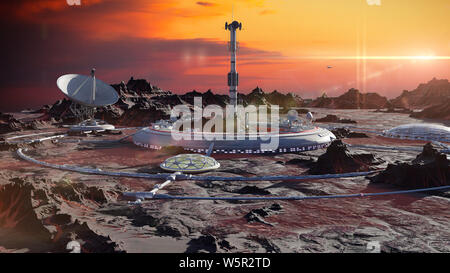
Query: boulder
(338,159)
(258,215)
(430,168)
(346,133)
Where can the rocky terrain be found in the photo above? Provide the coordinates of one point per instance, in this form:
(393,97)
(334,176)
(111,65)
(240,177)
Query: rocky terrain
(338,159)
(433,97)
(346,133)
(8,123)
(429,169)
(440,111)
(141,103)
(425,95)
(32,211)
(42,209)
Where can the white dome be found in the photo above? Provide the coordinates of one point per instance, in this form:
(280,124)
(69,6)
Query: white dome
(420,131)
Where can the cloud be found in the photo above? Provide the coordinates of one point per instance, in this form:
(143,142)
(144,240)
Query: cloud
(206,4)
(267,12)
(108,19)
(28,9)
(38,55)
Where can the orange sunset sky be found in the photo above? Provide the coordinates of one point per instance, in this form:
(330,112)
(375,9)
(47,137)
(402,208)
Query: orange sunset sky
(382,46)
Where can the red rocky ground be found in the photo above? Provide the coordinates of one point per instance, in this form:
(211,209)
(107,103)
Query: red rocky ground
(43,209)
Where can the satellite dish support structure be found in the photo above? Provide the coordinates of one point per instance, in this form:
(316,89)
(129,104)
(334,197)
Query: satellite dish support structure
(87,93)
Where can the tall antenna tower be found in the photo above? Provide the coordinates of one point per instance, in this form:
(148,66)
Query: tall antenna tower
(233,77)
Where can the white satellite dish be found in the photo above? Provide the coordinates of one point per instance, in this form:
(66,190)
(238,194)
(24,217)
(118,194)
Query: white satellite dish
(88,93)
(87,90)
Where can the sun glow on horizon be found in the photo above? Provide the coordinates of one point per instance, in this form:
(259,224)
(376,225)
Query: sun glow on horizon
(424,57)
(298,46)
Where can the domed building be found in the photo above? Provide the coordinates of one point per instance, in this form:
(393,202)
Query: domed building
(420,131)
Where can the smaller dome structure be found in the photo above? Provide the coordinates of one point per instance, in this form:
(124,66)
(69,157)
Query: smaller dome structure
(420,131)
(190,163)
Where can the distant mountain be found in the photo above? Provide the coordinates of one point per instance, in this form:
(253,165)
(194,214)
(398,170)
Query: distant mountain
(286,101)
(425,95)
(208,98)
(256,97)
(352,99)
(141,103)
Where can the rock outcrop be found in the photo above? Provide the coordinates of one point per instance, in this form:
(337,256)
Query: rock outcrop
(258,215)
(439,111)
(9,124)
(33,209)
(430,169)
(252,190)
(338,159)
(425,95)
(285,101)
(346,133)
(205,243)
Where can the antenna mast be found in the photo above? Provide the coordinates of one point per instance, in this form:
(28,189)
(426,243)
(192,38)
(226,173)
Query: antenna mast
(233,77)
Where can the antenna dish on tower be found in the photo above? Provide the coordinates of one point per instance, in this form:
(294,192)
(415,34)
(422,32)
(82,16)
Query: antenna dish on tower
(87,90)
(87,93)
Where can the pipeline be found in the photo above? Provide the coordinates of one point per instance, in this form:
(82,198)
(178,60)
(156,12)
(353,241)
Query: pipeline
(12,141)
(89,170)
(139,196)
(172,177)
(444,149)
(250,198)
(180,176)
(278,177)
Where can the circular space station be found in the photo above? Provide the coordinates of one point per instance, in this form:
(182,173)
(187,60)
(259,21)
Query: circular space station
(420,131)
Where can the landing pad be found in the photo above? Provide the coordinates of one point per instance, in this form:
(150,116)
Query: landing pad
(190,163)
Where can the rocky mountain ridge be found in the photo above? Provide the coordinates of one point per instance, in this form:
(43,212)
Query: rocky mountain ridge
(141,103)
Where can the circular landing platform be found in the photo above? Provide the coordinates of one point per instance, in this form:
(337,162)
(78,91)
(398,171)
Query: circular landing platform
(190,163)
